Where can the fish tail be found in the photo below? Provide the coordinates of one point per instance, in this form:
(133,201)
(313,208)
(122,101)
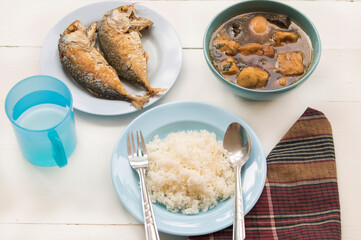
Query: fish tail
(154,91)
(138,102)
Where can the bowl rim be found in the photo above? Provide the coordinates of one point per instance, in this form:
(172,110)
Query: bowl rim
(312,67)
(19,84)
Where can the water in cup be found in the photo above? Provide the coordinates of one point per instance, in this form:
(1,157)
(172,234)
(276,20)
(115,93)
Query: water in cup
(42,116)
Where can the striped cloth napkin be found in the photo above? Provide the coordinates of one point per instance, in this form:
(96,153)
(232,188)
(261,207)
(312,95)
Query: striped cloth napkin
(300,198)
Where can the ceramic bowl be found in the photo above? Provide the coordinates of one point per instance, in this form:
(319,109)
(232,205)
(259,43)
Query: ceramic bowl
(263,6)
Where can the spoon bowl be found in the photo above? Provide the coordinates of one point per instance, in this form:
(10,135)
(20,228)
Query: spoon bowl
(238,146)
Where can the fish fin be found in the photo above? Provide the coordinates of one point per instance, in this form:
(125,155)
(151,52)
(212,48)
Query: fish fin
(91,33)
(93,92)
(146,56)
(140,24)
(139,101)
(75,26)
(155,91)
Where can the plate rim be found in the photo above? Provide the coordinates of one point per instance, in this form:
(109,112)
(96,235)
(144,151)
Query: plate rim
(119,3)
(194,232)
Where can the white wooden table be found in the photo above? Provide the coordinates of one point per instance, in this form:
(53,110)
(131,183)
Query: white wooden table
(79,202)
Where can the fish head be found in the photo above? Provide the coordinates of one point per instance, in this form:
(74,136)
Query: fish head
(125,20)
(79,36)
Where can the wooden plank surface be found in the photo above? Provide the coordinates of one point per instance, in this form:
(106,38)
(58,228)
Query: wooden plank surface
(189,18)
(79,202)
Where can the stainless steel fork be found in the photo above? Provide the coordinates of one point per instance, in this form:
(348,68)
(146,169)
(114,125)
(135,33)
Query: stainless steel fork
(138,159)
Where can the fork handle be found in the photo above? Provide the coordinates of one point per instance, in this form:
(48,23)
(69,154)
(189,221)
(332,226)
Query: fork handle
(151,231)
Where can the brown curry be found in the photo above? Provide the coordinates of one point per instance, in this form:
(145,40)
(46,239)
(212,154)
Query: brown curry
(261,50)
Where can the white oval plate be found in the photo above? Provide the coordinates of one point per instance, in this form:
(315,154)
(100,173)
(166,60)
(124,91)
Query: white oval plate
(180,116)
(161,43)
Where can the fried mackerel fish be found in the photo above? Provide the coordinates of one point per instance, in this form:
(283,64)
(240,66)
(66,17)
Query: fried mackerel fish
(119,40)
(89,68)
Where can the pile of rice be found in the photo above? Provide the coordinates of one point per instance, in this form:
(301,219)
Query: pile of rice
(188,172)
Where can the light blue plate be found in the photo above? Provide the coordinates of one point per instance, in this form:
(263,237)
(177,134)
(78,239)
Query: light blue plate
(179,116)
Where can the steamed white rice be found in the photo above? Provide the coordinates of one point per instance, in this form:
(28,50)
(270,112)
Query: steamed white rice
(188,172)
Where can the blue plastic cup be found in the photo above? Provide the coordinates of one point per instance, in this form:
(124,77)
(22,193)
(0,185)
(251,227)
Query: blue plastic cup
(40,109)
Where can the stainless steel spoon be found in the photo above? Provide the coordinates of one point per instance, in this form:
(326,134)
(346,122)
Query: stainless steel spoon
(238,146)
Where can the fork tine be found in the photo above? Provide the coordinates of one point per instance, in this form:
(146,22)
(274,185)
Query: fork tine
(130,153)
(144,149)
(139,151)
(134,152)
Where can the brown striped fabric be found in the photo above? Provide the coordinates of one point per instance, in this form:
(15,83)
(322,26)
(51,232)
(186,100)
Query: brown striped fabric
(300,199)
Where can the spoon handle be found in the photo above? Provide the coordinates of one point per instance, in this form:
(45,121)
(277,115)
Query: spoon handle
(239,231)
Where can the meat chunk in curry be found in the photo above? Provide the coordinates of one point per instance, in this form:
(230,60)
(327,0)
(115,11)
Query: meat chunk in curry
(226,46)
(257,49)
(229,66)
(252,77)
(282,81)
(282,38)
(268,50)
(253,48)
(290,63)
